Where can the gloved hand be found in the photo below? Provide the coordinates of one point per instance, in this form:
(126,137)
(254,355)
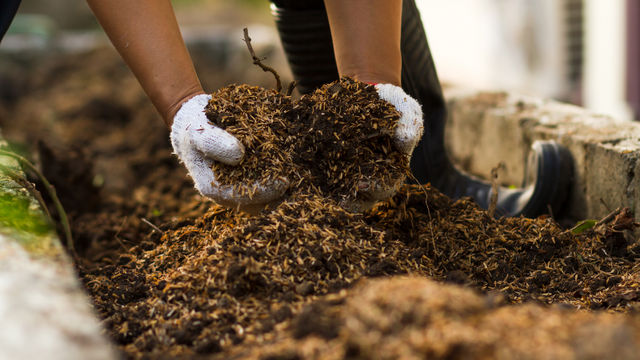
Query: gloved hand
(410,127)
(199,143)
(405,139)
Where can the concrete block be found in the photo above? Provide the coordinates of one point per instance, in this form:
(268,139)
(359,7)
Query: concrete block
(476,137)
(43,312)
(486,128)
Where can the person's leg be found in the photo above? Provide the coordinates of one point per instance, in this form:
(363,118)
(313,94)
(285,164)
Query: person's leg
(8,10)
(306,38)
(550,165)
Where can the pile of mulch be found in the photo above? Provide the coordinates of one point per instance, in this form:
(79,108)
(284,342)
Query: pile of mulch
(326,143)
(418,276)
(227,282)
(418,318)
(85,121)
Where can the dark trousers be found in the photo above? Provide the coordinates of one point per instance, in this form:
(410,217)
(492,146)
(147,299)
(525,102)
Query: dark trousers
(8,9)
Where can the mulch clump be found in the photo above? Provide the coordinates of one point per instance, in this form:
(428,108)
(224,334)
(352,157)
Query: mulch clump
(418,318)
(325,143)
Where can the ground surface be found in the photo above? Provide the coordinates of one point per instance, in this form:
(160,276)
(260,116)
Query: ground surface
(418,276)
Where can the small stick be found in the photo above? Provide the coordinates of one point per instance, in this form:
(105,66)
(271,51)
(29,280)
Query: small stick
(118,232)
(121,244)
(257,61)
(153,226)
(52,192)
(291,87)
(607,219)
(605,205)
(494,190)
(121,225)
(426,203)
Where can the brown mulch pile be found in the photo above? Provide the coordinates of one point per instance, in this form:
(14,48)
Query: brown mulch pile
(224,280)
(418,318)
(418,276)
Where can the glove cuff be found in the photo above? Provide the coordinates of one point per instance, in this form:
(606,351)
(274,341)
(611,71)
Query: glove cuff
(189,110)
(410,125)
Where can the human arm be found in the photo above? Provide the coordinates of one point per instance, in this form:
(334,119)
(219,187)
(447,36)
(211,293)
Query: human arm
(147,36)
(366,38)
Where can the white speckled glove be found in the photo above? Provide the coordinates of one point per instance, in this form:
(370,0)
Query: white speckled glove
(405,139)
(199,143)
(410,125)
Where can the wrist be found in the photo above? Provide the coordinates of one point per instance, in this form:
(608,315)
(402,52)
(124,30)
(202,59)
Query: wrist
(192,108)
(375,79)
(170,114)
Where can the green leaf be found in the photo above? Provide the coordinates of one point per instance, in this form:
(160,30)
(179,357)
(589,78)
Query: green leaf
(583,225)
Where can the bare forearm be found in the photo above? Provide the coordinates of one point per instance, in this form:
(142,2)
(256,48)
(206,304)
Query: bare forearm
(366,38)
(147,36)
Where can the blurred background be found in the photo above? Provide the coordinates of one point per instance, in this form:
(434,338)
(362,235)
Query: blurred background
(585,52)
(70,105)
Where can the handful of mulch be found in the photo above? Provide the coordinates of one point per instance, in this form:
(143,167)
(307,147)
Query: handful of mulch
(326,143)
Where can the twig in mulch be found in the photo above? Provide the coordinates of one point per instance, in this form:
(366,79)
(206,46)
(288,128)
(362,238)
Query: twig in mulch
(494,191)
(607,219)
(258,62)
(426,195)
(605,205)
(118,232)
(153,226)
(291,87)
(50,189)
(598,225)
(426,201)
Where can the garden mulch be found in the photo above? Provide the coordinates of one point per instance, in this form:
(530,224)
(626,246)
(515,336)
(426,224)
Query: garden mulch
(417,276)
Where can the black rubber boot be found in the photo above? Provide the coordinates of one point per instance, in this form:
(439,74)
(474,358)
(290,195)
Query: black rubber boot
(8,10)
(549,168)
(306,37)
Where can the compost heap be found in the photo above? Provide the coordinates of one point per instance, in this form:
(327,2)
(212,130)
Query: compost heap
(211,284)
(418,276)
(229,282)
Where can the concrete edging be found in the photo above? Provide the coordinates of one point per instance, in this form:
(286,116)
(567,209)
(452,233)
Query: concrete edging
(43,312)
(485,128)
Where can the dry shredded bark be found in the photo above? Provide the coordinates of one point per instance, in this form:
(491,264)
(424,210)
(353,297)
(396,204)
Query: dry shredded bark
(226,280)
(308,280)
(326,143)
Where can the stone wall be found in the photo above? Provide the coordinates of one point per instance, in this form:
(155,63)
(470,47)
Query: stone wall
(485,129)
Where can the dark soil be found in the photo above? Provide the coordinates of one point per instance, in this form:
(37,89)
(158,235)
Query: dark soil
(418,276)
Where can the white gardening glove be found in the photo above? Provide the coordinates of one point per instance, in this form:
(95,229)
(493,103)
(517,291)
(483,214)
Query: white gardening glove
(406,137)
(199,143)
(410,125)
